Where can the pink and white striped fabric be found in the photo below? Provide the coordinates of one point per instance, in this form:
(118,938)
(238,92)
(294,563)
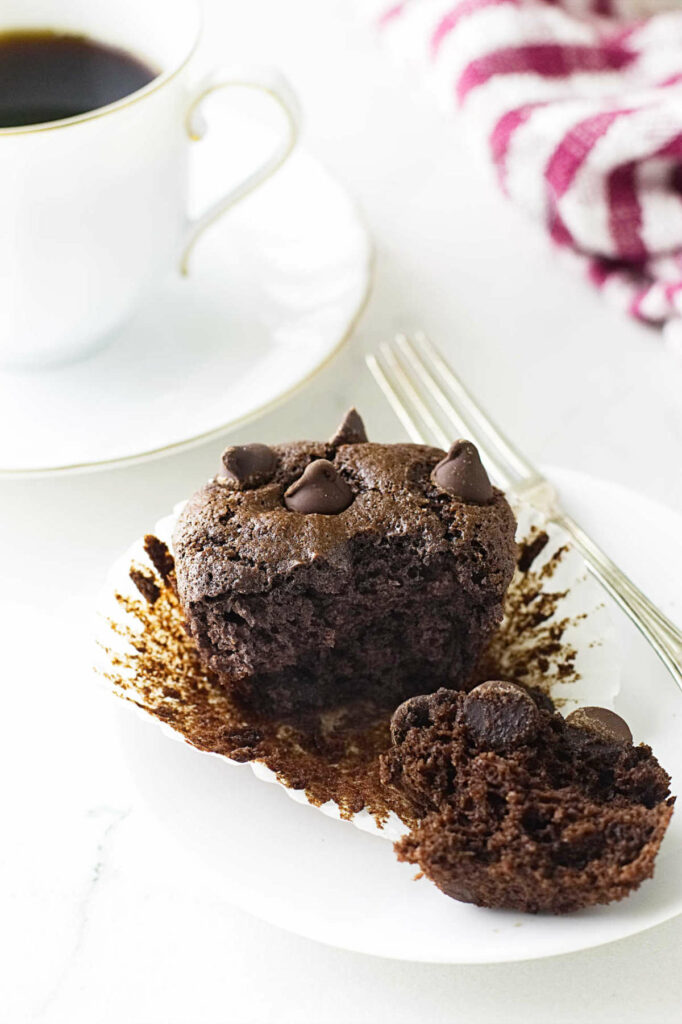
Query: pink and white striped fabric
(578,105)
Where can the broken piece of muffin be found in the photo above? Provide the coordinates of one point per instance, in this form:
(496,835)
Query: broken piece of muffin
(314,573)
(522,809)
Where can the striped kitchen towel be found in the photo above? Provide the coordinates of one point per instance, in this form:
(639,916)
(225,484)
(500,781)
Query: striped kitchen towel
(578,105)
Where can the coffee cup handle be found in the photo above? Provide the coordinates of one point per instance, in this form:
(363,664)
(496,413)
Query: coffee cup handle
(274,85)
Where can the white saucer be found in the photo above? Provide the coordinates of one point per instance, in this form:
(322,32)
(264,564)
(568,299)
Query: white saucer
(274,289)
(306,873)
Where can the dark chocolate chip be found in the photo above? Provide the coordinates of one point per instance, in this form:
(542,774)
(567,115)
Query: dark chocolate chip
(500,715)
(351,430)
(320,490)
(249,465)
(604,724)
(414,713)
(462,474)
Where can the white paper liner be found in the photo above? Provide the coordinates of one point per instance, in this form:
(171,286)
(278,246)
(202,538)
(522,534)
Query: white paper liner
(589,631)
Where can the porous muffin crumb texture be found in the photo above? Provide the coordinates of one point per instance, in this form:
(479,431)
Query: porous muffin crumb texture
(518,808)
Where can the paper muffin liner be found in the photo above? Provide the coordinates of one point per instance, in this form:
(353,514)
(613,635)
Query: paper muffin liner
(585,670)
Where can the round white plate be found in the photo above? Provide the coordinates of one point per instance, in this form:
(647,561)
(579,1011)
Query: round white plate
(306,873)
(274,289)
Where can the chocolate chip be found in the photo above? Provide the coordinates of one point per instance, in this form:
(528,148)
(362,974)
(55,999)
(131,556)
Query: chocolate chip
(462,474)
(411,714)
(320,490)
(249,465)
(500,715)
(603,724)
(351,430)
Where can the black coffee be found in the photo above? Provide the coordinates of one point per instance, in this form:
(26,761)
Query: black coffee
(45,76)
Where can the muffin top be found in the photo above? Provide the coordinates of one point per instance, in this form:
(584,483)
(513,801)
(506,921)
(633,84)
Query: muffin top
(272,510)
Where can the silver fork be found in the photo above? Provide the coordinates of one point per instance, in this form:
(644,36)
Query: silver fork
(422,388)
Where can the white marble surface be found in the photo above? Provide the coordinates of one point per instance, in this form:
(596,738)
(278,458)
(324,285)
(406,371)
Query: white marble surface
(104,917)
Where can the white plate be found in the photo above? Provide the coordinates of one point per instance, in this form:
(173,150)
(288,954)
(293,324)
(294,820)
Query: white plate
(275,288)
(319,878)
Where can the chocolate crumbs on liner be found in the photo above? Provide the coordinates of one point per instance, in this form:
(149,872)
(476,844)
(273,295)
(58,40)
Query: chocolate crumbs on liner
(159,555)
(531,548)
(146,584)
(333,756)
(530,645)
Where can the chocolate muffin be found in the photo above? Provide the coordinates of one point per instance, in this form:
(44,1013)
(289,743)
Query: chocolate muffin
(313,573)
(520,808)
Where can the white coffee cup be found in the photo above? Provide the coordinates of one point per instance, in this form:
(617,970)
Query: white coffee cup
(93,209)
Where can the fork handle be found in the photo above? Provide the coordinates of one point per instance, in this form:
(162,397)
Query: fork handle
(659,631)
